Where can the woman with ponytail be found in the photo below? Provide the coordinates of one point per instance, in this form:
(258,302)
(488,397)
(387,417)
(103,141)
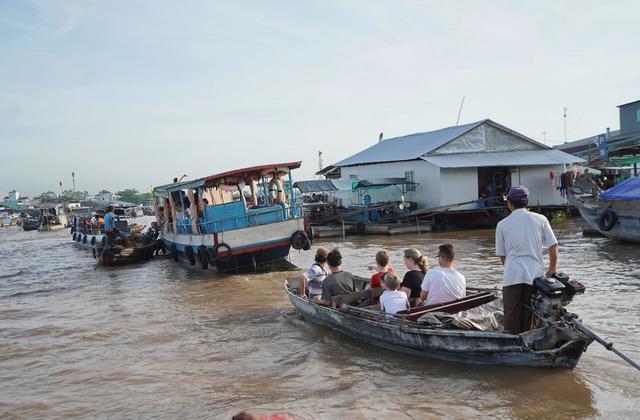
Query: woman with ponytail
(417,264)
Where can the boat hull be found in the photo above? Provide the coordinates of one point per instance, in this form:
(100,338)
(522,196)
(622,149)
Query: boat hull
(627,225)
(250,248)
(475,347)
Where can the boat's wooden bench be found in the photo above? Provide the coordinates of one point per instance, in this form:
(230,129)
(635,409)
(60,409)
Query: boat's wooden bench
(356,296)
(452,307)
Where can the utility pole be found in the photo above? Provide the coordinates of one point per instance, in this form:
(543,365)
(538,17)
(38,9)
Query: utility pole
(565,124)
(319,162)
(73,178)
(460,110)
(60,188)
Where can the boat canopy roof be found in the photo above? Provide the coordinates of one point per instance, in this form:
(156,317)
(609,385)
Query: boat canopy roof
(627,190)
(321,185)
(382,182)
(230,177)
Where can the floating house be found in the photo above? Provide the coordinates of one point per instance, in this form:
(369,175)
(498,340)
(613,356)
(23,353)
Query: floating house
(471,163)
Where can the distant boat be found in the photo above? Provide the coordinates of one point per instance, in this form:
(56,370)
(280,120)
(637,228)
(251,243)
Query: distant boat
(51,218)
(239,220)
(29,224)
(132,249)
(615,213)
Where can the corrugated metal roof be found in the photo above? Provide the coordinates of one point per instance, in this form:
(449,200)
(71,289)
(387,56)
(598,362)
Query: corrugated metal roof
(315,186)
(407,147)
(516,158)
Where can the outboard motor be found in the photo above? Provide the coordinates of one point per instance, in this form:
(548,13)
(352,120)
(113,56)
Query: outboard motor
(552,294)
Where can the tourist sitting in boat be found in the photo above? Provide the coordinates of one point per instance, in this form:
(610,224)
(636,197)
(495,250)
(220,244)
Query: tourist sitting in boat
(382,267)
(444,283)
(417,264)
(312,278)
(393,300)
(339,282)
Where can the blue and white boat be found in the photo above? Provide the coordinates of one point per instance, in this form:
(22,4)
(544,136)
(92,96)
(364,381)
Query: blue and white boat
(239,220)
(615,213)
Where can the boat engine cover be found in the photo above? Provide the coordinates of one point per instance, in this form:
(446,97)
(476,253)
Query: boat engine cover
(548,286)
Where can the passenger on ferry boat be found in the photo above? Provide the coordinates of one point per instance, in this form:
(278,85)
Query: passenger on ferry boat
(393,300)
(412,281)
(444,283)
(313,277)
(339,282)
(382,267)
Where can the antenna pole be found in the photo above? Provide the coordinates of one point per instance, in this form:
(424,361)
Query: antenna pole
(319,162)
(565,124)
(460,111)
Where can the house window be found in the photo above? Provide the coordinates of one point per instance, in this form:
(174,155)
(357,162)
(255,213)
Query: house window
(410,176)
(638,115)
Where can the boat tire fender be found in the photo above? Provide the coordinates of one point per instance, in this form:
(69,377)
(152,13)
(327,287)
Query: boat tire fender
(203,258)
(174,252)
(84,239)
(300,240)
(74,237)
(607,220)
(93,240)
(188,250)
(361,227)
(225,248)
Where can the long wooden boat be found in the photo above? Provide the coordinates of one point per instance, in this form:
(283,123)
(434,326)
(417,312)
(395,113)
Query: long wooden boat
(614,213)
(123,251)
(240,220)
(555,343)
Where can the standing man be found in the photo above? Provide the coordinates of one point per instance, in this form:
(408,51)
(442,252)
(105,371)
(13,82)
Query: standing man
(520,238)
(109,220)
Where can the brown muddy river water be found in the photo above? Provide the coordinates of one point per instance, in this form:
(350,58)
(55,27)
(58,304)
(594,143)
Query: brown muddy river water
(163,340)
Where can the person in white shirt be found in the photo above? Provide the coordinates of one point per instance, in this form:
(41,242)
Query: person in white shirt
(443,284)
(520,238)
(393,300)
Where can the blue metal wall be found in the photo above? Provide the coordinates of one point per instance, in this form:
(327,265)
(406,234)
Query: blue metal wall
(630,117)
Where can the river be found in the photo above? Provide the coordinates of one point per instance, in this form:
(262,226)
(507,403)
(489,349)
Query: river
(164,340)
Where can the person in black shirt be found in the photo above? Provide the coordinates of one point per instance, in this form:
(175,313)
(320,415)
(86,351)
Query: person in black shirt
(417,264)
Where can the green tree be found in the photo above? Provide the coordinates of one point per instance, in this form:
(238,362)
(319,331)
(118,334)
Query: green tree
(104,192)
(48,197)
(145,198)
(129,195)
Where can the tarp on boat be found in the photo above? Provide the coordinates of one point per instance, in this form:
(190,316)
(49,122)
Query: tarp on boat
(627,190)
(315,186)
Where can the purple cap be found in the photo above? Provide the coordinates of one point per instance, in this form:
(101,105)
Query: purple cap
(518,193)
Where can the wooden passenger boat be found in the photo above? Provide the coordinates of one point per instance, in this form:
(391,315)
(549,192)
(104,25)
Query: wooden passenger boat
(614,213)
(241,220)
(123,251)
(554,343)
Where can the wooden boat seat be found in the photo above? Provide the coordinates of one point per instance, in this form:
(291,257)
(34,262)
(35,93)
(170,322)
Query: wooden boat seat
(468,302)
(359,295)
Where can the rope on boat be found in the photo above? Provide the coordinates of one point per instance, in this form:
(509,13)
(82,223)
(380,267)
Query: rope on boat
(609,346)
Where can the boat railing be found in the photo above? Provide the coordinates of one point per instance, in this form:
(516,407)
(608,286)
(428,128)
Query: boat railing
(249,218)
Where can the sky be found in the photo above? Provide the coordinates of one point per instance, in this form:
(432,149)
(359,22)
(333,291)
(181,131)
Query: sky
(129,94)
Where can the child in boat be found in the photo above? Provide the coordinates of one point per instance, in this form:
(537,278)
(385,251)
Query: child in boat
(314,276)
(382,265)
(393,300)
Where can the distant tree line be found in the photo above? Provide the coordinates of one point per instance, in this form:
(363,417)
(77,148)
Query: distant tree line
(68,196)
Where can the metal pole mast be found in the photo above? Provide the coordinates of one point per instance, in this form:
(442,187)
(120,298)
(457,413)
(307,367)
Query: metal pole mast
(565,124)
(73,178)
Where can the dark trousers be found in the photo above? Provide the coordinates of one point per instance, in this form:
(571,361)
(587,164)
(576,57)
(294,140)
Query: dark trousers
(517,318)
